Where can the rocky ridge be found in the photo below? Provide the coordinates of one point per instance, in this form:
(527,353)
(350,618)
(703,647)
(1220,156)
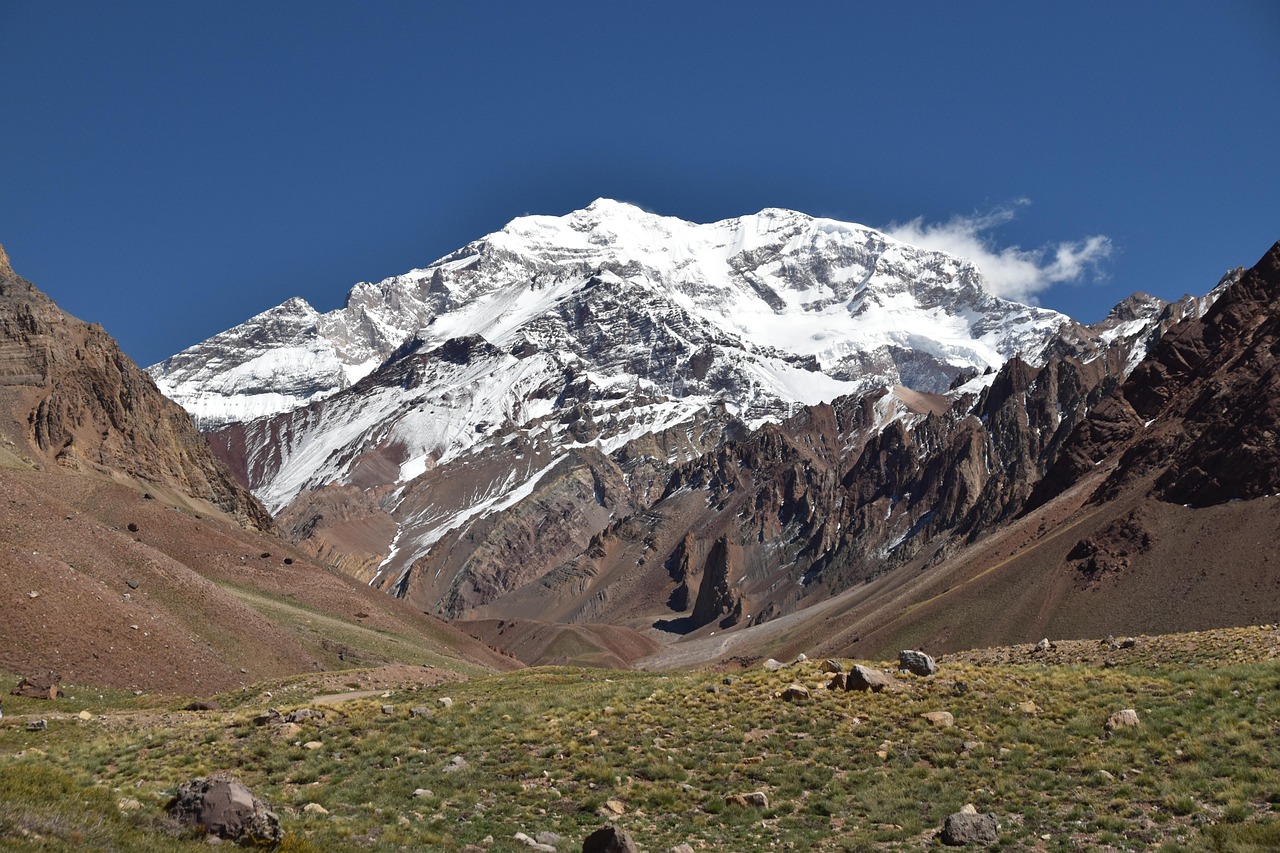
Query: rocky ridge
(69,397)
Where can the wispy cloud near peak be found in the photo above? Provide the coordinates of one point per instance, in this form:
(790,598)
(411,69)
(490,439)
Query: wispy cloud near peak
(1010,271)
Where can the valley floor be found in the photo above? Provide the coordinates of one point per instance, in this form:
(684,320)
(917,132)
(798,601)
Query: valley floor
(386,763)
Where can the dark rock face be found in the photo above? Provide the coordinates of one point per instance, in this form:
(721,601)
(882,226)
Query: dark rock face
(221,806)
(47,686)
(1199,415)
(70,397)
(916,662)
(609,839)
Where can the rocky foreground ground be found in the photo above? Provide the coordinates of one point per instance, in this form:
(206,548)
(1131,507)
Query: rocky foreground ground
(1119,743)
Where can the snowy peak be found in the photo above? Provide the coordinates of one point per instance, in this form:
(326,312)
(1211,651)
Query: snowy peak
(849,302)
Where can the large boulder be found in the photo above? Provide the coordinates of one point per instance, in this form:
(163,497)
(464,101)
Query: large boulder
(916,662)
(219,805)
(964,828)
(609,839)
(865,678)
(47,686)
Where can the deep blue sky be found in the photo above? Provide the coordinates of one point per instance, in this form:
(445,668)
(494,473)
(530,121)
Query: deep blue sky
(170,169)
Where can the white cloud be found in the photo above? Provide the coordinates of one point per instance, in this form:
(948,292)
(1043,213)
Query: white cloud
(1011,272)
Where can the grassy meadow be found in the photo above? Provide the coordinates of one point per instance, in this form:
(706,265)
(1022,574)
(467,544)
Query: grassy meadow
(568,750)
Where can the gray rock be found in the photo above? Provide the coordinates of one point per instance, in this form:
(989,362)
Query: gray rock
(532,844)
(221,806)
(796,693)
(419,711)
(1043,646)
(681,848)
(271,715)
(961,828)
(752,799)
(773,665)
(830,665)
(552,838)
(1128,718)
(455,763)
(301,715)
(865,678)
(38,726)
(916,662)
(941,719)
(388,710)
(609,839)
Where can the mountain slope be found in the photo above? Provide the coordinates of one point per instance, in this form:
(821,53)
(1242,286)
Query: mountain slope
(568,365)
(69,397)
(1106,543)
(131,558)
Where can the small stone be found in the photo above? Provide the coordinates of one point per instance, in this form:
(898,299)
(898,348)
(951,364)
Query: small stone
(271,715)
(552,838)
(801,658)
(1128,643)
(388,710)
(132,584)
(419,711)
(968,808)
(773,665)
(941,719)
(38,726)
(832,665)
(33,594)
(1127,718)
(315,808)
(301,715)
(1028,707)
(85,715)
(312,744)
(1043,646)
(615,807)
(455,763)
(681,848)
(128,804)
(445,702)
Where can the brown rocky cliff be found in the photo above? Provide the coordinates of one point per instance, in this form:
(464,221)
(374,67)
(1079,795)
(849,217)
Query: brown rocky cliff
(70,398)
(1200,414)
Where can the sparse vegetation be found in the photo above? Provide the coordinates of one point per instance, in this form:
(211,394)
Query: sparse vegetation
(557,749)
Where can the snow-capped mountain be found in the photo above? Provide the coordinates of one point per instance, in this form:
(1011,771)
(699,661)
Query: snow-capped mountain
(845,304)
(565,366)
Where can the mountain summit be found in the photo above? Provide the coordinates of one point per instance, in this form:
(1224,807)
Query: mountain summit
(762,311)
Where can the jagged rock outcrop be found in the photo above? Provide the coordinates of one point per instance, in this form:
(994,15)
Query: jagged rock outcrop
(69,397)
(1199,415)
